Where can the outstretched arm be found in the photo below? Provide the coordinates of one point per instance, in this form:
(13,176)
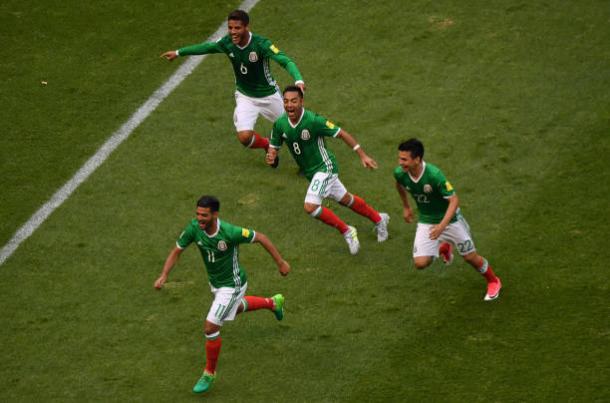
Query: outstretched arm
(282,265)
(200,49)
(289,65)
(367,161)
(171,260)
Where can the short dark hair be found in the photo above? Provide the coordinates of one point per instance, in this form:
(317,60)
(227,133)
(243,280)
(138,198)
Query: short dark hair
(414,146)
(239,15)
(209,202)
(293,88)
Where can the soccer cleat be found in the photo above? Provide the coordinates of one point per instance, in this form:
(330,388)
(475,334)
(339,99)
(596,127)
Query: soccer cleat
(445,250)
(493,289)
(278,306)
(204,383)
(382,227)
(351,237)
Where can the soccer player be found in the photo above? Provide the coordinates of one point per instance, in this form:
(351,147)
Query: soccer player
(257,92)
(304,132)
(218,242)
(440,220)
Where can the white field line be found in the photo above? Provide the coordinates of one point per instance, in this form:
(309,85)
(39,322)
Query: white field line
(110,145)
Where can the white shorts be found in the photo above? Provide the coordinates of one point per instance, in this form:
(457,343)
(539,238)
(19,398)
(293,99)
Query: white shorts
(323,186)
(248,108)
(457,233)
(225,304)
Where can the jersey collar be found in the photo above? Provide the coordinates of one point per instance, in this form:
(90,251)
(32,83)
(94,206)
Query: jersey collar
(246,45)
(217,229)
(423,169)
(298,121)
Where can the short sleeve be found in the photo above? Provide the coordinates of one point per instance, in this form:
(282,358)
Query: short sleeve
(241,235)
(325,127)
(186,237)
(444,186)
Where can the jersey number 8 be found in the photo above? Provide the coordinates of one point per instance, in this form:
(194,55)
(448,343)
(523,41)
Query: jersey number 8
(296,148)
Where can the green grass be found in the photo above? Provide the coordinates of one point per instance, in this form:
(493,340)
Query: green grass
(510,99)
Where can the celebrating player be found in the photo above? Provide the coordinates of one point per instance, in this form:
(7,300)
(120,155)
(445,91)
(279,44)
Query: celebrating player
(218,242)
(304,131)
(440,220)
(257,92)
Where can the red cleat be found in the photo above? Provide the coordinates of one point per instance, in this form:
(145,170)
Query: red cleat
(445,250)
(493,289)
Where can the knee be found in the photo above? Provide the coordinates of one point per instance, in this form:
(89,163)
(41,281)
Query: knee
(245,137)
(310,208)
(421,264)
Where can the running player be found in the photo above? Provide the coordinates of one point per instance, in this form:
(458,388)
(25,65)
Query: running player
(440,220)
(304,131)
(218,242)
(257,92)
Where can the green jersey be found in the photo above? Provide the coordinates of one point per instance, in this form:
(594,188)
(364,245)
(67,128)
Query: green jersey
(306,143)
(220,251)
(250,63)
(430,191)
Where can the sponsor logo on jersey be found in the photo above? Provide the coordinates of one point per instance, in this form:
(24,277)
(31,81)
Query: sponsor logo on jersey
(305,135)
(274,49)
(285,136)
(427,188)
(199,243)
(253,57)
(245,232)
(448,187)
(330,124)
(231,54)
(222,246)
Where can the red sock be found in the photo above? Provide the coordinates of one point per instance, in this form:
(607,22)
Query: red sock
(254,303)
(486,270)
(359,206)
(330,218)
(259,141)
(212,351)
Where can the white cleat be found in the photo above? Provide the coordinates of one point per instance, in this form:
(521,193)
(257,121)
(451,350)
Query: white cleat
(351,237)
(382,227)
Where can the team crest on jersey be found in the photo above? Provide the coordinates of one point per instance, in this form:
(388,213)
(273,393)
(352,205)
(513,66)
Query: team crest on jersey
(222,246)
(253,57)
(427,188)
(305,135)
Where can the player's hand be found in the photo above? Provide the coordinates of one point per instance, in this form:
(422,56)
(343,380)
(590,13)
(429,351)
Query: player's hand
(284,268)
(436,231)
(169,55)
(368,162)
(407,214)
(160,281)
(270,156)
(301,86)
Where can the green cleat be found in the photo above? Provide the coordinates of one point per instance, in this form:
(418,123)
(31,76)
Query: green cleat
(278,306)
(204,383)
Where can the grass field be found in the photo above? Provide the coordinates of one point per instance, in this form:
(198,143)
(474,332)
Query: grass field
(511,99)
